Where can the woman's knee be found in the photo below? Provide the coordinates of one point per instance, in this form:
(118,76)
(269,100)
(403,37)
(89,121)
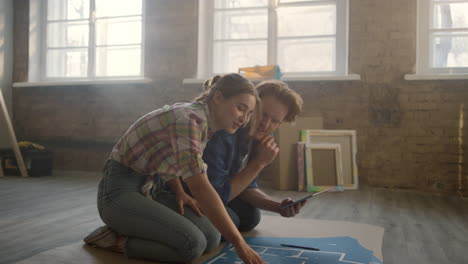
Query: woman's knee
(193,247)
(213,238)
(209,231)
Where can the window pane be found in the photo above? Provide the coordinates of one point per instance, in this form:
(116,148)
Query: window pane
(307,55)
(239,3)
(450,52)
(67,63)
(105,8)
(67,9)
(451,15)
(241,24)
(67,34)
(118,61)
(230,56)
(114,31)
(307,21)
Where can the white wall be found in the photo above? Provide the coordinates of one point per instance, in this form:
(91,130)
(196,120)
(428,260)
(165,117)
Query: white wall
(6,62)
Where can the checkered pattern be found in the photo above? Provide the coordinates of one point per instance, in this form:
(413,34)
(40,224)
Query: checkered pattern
(167,142)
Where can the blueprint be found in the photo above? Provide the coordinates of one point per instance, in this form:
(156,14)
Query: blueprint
(333,250)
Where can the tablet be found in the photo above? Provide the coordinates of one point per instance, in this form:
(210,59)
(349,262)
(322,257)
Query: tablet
(303,199)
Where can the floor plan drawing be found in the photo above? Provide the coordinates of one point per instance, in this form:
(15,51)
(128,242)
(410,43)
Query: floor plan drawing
(335,250)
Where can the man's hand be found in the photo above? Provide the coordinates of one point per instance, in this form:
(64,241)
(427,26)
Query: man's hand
(183,199)
(290,211)
(266,149)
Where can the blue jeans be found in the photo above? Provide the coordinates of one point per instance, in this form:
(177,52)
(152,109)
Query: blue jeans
(154,228)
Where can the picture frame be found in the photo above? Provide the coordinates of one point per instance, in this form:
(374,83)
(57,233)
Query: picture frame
(348,143)
(301,178)
(323,167)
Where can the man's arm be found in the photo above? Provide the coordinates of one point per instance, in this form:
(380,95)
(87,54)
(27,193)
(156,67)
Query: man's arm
(240,181)
(258,199)
(266,153)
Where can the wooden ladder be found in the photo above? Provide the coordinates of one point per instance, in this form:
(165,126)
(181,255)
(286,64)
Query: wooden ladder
(12,136)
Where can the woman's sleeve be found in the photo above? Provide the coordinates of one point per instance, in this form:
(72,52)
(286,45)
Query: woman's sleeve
(183,157)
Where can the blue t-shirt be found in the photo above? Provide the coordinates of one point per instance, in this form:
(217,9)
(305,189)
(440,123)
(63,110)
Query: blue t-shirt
(224,154)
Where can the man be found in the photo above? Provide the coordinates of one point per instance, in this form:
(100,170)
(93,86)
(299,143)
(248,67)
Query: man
(226,155)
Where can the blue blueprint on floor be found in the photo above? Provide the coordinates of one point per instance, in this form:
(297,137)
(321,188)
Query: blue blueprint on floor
(333,250)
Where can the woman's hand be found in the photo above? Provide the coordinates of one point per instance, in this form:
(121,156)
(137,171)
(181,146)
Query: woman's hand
(183,199)
(292,210)
(248,255)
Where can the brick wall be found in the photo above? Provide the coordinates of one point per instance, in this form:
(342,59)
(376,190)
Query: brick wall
(409,132)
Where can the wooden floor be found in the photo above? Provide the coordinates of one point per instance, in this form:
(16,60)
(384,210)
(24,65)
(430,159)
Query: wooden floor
(37,214)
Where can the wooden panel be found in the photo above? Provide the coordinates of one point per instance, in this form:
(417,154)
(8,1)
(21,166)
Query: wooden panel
(369,236)
(324,167)
(61,209)
(282,172)
(12,136)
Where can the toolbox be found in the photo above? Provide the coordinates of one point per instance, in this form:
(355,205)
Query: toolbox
(38,162)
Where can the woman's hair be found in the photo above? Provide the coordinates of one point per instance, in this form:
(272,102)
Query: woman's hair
(284,94)
(229,85)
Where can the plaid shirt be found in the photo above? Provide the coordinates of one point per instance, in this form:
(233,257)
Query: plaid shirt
(167,142)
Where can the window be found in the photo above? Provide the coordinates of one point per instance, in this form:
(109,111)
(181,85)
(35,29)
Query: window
(92,39)
(304,37)
(442,37)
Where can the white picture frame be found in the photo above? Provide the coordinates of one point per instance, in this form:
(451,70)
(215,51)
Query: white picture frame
(348,142)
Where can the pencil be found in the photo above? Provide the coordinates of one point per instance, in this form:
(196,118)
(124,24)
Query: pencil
(294,246)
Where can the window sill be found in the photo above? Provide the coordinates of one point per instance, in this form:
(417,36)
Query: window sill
(193,81)
(416,77)
(349,77)
(84,82)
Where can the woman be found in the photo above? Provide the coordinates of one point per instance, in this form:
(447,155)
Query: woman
(168,144)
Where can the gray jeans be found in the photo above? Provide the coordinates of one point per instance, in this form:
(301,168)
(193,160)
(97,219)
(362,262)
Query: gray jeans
(155,229)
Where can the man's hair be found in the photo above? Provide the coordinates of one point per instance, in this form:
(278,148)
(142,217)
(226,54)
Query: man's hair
(284,94)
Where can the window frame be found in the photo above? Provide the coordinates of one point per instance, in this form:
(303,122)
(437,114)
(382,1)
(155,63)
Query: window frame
(206,28)
(424,53)
(92,47)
